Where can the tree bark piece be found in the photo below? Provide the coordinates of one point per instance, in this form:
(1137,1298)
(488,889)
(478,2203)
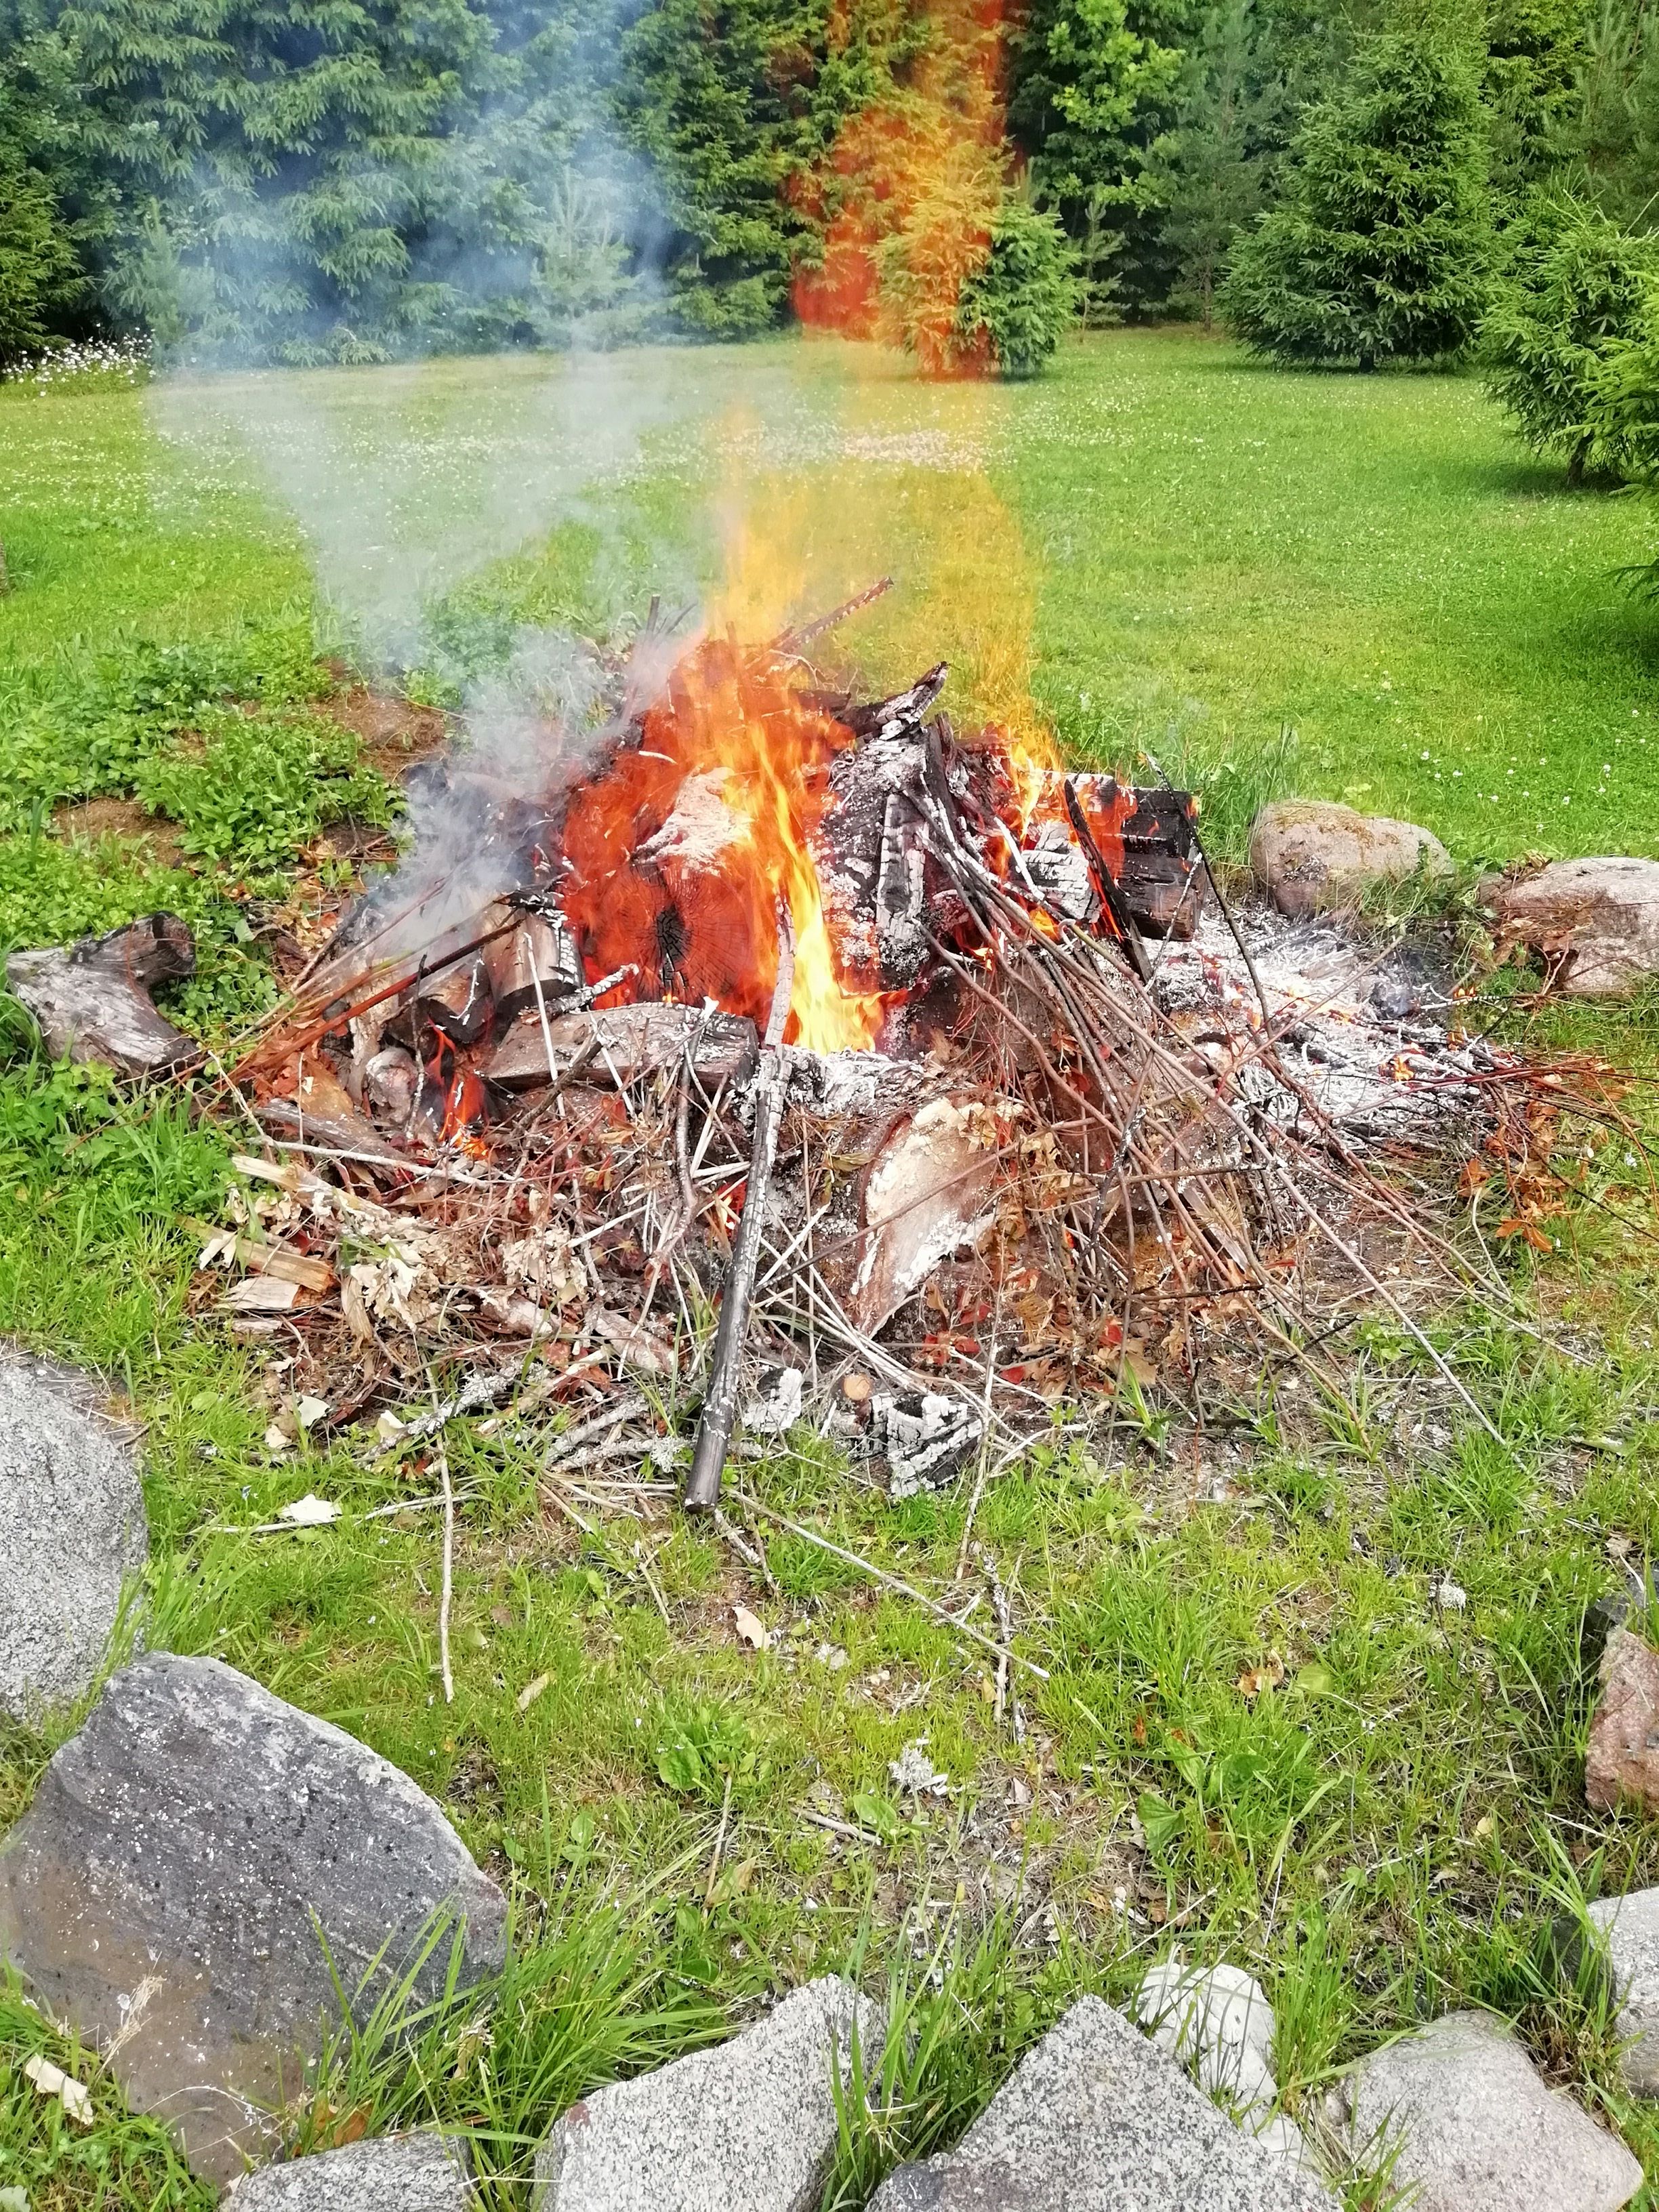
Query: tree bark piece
(91,1000)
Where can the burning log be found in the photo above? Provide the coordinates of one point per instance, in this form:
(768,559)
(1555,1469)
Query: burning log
(534,962)
(460,1001)
(623,1045)
(92,1002)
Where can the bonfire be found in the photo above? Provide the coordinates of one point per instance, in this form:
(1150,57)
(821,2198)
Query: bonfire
(807,1059)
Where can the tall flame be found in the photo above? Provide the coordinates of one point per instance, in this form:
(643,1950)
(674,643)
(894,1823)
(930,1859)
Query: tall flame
(908,196)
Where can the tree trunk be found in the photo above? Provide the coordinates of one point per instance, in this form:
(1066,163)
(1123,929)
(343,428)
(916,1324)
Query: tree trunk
(1575,465)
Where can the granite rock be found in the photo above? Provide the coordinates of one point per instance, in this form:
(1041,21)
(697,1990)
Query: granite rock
(1217,2022)
(1621,1759)
(1307,854)
(1596,922)
(749,2126)
(1631,1925)
(72,1529)
(191,1861)
(1097,2119)
(415,2173)
(1477,2130)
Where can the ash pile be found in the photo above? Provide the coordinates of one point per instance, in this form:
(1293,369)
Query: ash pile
(764,1056)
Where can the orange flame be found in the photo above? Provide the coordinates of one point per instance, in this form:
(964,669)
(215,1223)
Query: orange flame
(680,854)
(907,198)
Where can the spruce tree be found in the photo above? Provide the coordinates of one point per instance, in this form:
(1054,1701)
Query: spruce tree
(1212,176)
(1379,250)
(1576,288)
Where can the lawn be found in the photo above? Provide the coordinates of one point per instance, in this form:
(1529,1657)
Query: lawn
(1179,550)
(1157,549)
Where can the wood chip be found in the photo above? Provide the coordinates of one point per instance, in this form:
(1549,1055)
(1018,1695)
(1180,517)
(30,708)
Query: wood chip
(51,2082)
(750,1628)
(262,1294)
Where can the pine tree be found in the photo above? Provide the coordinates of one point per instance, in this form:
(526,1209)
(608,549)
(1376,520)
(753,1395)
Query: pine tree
(720,95)
(1535,57)
(1380,249)
(1213,177)
(1577,286)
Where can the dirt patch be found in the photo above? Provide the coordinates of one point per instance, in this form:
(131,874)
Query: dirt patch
(95,818)
(393,732)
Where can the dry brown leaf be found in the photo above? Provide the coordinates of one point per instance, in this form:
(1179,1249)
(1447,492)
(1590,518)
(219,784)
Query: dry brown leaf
(1268,1675)
(531,1691)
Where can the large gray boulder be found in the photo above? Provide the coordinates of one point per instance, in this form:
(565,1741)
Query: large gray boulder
(1097,2119)
(417,2173)
(193,1861)
(1307,854)
(1475,2128)
(1631,1925)
(749,2126)
(72,1529)
(1595,922)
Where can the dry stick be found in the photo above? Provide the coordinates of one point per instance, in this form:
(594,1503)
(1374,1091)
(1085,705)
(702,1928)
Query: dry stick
(719,1410)
(448,1591)
(892,1582)
(752,1555)
(1006,1696)
(984,1440)
(719,1845)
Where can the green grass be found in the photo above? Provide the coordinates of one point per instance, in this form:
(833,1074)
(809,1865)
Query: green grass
(1171,552)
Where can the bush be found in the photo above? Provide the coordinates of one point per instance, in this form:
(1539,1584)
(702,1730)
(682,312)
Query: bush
(1026,296)
(1574,290)
(1379,250)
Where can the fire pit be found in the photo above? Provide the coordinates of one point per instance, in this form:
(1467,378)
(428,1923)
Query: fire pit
(820,1060)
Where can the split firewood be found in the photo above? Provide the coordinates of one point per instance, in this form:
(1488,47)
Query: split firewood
(92,1002)
(625,1044)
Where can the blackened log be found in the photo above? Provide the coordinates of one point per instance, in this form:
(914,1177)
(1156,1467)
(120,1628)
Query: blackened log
(458,1002)
(540,946)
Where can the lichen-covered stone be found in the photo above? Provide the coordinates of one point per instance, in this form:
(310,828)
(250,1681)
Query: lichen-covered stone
(1621,1759)
(1097,2119)
(1595,922)
(1307,854)
(417,2173)
(1474,2128)
(1631,1925)
(749,2126)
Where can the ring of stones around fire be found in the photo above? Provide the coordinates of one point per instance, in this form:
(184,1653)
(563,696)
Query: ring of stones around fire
(158,1897)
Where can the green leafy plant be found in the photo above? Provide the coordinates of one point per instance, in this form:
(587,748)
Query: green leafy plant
(700,1748)
(261,786)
